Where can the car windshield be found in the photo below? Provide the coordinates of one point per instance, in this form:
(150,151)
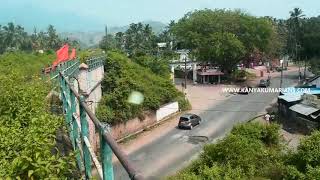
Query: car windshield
(183,119)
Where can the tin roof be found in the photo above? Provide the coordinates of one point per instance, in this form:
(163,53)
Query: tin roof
(290,98)
(303,109)
(296,96)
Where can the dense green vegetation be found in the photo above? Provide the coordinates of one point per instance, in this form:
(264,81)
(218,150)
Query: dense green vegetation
(140,40)
(27,129)
(15,38)
(303,39)
(225,37)
(123,76)
(255,151)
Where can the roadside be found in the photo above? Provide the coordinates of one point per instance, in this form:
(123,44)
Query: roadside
(166,154)
(272,74)
(201,97)
(198,97)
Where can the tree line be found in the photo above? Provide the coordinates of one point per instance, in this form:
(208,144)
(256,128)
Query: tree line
(225,37)
(15,38)
(139,40)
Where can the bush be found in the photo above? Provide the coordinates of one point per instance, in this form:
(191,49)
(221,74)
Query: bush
(237,151)
(27,129)
(251,151)
(157,66)
(184,104)
(269,135)
(308,152)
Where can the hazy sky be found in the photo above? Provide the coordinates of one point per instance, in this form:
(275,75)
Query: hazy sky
(86,15)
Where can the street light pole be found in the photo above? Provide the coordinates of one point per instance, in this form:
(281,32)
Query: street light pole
(305,68)
(281,61)
(185,73)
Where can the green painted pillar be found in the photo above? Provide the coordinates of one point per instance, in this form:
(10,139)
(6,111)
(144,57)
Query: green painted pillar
(75,135)
(64,100)
(85,133)
(106,157)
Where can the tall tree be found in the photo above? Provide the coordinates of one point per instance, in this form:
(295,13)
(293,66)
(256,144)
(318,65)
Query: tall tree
(199,30)
(295,32)
(53,38)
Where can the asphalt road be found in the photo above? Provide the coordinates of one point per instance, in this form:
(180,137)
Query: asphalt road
(175,149)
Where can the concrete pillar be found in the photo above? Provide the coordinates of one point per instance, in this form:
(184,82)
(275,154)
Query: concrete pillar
(194,70)
(86,80)
(219,79)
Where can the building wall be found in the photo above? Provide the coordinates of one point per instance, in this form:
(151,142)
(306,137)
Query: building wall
(167,110)
(150,118)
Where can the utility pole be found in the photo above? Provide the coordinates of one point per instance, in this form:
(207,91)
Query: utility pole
(281,61)
(305,68)
(298,61)
(185,72)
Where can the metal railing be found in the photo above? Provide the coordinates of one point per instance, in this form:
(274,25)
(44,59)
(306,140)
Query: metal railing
(69,68)
(79,132)
(95,62)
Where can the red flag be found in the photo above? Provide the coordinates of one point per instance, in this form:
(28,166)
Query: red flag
(62,55)
(73,54)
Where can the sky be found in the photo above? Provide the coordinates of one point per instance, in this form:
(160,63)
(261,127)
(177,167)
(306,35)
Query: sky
(93,15)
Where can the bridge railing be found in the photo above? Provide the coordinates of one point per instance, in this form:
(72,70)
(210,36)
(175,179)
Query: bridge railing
(79,134)
(95,62)
(69,68)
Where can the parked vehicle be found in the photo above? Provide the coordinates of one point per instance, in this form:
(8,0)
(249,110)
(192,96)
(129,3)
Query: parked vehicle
(264,83)
(188,121)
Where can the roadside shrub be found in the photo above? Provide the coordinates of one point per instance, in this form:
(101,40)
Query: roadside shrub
(250,151)
(184,104)
(236,151)
(254,151)
(313,172)
(308,154)
(269,135)
(292,173)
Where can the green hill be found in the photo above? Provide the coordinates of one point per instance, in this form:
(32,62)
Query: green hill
(122,77)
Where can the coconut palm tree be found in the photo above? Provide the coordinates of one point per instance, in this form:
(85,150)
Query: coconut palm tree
(14,37)
(53,38)
(295,31)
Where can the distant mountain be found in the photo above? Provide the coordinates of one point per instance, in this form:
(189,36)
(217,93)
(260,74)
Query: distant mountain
(88,39)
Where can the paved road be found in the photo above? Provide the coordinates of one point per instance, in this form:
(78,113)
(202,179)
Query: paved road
(175,149)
